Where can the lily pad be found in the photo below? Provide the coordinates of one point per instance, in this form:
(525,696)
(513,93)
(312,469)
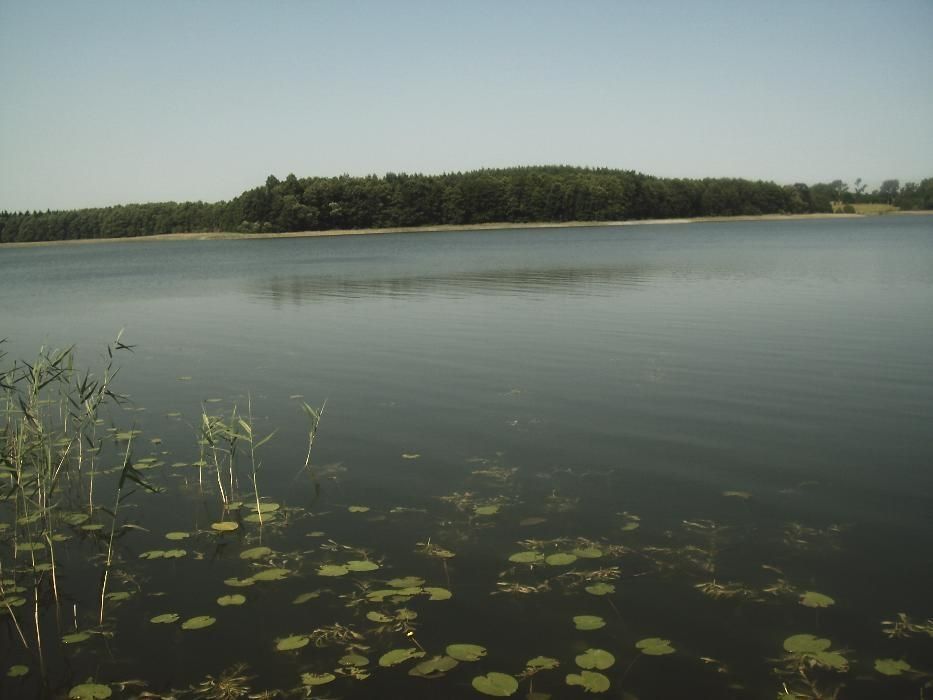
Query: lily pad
(255,553)
(588,622)
(433,667)
(174,553)
(332,570)
(527,557)
(466,652)
(225,526)
(165,619)
(812,599)
(436,593)
(361,565)
(591,681)
(655,646)
(177,535)
(90,691)
(588,552)
(486,510)
(806,644)
(406,582)
(833,660)
(595,658)
(543,663)
(353,660)
(239,582)
(374,616)
(199,622)
(75,637)
(271,575)
(295,641)
(600,589)
(234,599)
(305,597)
(358,509)
(498,685)
(891,667)
(560,559)
(17,671)
(397,656)
(317,678)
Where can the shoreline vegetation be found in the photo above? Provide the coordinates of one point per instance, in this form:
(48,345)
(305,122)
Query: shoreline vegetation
(451,228)
(524,196)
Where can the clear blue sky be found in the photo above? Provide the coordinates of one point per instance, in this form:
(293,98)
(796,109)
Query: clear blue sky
(108,102)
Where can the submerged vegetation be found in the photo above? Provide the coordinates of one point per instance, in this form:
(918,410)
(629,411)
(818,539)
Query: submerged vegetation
(112,555)
(519,195)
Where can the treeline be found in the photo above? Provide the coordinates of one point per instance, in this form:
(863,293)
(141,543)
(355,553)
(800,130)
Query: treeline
(527,194)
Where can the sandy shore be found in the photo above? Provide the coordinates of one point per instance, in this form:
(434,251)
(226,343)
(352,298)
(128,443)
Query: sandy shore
(224,236)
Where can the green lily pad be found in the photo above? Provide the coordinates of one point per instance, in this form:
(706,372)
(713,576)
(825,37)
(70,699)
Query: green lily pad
(305,597)
(591,681)
(891,667)
(498,685)
(358,509)
(588,622)
(165,619)
(353,660)
(600,589)
(30,546)
(225,526)
(812,599)
(90,691)
(75,518)
(17,671)
(655,646)
(175,536)
(265,508)
(295,641)
(527,557)
(117,596)
(806,644)
(332,570)
(374,616)
(271,575)
(75,637)
(174,553)
(595,658)
(199,622)
(406,582)
(255,553)
(588,552)
(543,663)
(312,679)
(397,656)
(361,565)
(465,652)
(436,593)
(239,582)
(433,667)
(234,599)
(560,559)
(486,510)
(833,660)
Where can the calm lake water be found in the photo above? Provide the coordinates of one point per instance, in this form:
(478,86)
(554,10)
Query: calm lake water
(714,419)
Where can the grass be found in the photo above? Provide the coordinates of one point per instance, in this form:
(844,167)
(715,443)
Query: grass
(866,209)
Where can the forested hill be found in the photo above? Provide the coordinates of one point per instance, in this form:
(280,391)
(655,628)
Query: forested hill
(526,194)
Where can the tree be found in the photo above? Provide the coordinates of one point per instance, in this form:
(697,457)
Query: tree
(889,190)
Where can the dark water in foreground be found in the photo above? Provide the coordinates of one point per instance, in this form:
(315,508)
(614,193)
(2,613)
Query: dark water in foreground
(714,419)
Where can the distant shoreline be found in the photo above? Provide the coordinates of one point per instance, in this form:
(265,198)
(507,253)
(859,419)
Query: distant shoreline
(226,236)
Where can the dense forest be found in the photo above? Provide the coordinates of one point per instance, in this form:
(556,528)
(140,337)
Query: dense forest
(526,194)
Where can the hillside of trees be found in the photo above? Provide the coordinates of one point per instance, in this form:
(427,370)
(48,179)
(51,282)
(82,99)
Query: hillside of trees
(520,195)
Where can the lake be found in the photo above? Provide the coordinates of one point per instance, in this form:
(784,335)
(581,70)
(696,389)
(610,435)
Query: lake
(654,455)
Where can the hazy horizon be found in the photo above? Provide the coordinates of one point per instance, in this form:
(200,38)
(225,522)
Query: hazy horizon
(111,103)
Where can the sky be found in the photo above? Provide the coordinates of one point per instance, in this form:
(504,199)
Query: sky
(133,101)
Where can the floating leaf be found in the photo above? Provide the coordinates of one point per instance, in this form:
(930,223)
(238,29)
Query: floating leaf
(75,637)
(199,622)
(595,658)
(806,644)
(239,582)
(358,509)
(174,553)
(655,646)
(225,526)
(317,678)
(498,685)
(116,596)
(406,582)
(332,570)
(486,510)
(833,660)
(177,535)
(295,641)
(560,559)
(374,616)
(89,691)
(164,619)
(891,667)
(436,593)
(466,652)
(588,552)
(17,671)
(812,599)
(234,599)
(591,681)
(588,622)
(410,455)
(527,557)
(361,565)
(305,597)
(397,656)
(543,663)
(30,546)
(600,589)
(433,667)
(353,660)
(271,575)
(75,518)
(265,508)
(255,553)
